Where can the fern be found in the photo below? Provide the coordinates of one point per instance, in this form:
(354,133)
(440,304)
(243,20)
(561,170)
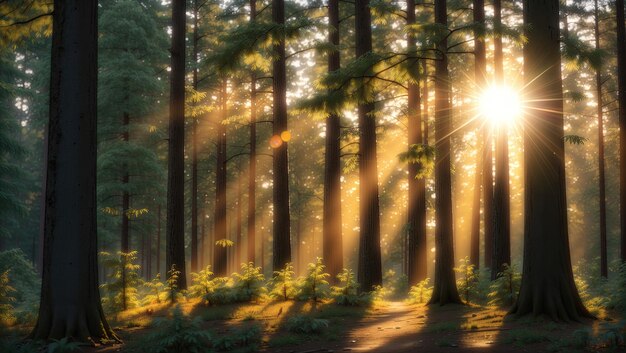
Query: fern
(506,286)
(249,283)
(305,324)
(284,284)
(6,300)
(314,285)
(121,295)
(421,292)
(347,293)
(468,284)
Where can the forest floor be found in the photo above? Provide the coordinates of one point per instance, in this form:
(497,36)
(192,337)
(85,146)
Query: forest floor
(385,327)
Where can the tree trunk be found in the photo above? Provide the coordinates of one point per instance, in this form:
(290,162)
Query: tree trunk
(175,255)
(601,177)
(370,271)
(194,148)
(332,237)
(480,72)
(547,280)
(125,240)
(416,213)
(621,81)
(70,298)
(445,290)
(501,191)
(252,167)
(282,239)
(158,241)
(220,258)
(238,245)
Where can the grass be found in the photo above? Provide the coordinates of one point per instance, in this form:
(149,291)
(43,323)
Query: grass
(520,337)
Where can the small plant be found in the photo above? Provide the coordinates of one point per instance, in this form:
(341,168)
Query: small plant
(249,283)
(504,289)
(123,281)
(202,283)
(306,324)
(63,346)
(468,284)
(247,337)
(421,292)
(155,287)
(178,334)
(314,285)
(6,299)
(173,293)
(347,293)
(284,284)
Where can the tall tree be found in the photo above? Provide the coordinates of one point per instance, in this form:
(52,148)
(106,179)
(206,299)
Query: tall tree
(601,175)
(547,281)
(220,258)
(416,213)
(332,234)
(194,143)
(369,271)
(281,238)
(621,79)
(252,166)
(175,229)
(480,72)
(501,192)
(445,290)
(70,298)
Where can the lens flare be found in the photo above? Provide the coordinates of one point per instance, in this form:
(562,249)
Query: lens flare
(276,141)
(500,105)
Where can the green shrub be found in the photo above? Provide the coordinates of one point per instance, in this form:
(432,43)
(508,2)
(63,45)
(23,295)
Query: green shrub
(120,294)
(503,291)
(468,282)
(314,286)
(155,290)
(249,283)
(6,300)
(347,293)
(284,284)
(305,324)
(63,346)
(25,281)
(421,292)
(173,294)
(179,334)
(247,337)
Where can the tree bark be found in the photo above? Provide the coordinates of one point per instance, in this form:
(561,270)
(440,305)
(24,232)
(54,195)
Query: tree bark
(369,271)
(70,298)
(501,191)
(480,72)
(158,241)
(238,245)
(282,238)
(332,232)
(416,213)
(125,240)
(601,175)
(444,291)
(194,148)
(252,167)
(621,82)
(220,258)
(547,281)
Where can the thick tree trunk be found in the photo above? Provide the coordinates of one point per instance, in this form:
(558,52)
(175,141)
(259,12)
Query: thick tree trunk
(282,239)
(501,191)
(444,290)
(332,233)
(125,240)
(175,255)
(252,167)
(601,175)
(547,281)
(70,298)
(238,245)
(480,72)
(416,213)
(194,148)
(370,271)
(621,82)
(220,258)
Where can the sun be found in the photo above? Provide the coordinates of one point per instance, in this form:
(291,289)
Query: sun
(500,105)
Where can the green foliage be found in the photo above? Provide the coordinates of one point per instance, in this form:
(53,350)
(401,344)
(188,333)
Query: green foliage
(202,283)
(504,289)
(468,283)
(173,294)
(24,278)
(249,283)
(314,285)
(347,292)
(225,243)
(245,338)
(575,139)
(121,287)
(421,292)
(64,345)
(284,283)
(305,324)
(521,337)
(180,334)
(155,289)
(423,155)
(6,299)
(618,290)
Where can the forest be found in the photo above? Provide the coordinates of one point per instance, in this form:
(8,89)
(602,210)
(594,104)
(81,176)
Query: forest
(190,176)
